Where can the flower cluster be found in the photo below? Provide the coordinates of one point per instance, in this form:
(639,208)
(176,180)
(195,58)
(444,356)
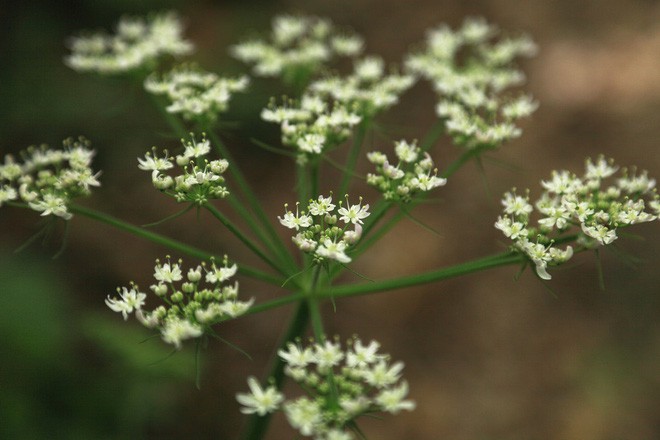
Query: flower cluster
(200,179)
(414,172)
(341,385)
(368,90)
(470,72)
(48,180)
(298,46)
(319,234)
(194,93)
(137,44)
(312,125)
(192,306)
(587,203)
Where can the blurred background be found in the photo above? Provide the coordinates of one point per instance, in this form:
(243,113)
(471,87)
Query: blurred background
(487,356)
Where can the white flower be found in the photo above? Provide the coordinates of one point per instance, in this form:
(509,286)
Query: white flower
(51,204)
(295,357)
(167,273)
(259,401)
(304,415)
(362,355)
(381,375)
(295,221)
(220,274)
(322,206)
(354,213)
(327,355)
(392,400)
(333,250)
(129,301)
(151,163)
(176,330)
(599,232)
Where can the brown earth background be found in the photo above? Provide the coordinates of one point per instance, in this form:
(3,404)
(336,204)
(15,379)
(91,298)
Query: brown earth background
(487,356)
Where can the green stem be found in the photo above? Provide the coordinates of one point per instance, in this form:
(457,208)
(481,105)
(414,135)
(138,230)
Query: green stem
(241,236)
(503,259)
(257,426)
(353,155)
(167,242)
(314,309)
(252,200)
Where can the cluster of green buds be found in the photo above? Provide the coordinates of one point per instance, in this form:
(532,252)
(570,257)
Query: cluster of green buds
(195,94)
(298,47)
(191,306)
(413,173)
(200,179)
(368,89)
(312,125)
(595,208)
(341,385)
(137,44)
(48,180)
(470,73)
(318,231)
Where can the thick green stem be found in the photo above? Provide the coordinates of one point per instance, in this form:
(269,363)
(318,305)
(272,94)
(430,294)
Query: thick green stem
(504,259)
(257,426)
(167,242)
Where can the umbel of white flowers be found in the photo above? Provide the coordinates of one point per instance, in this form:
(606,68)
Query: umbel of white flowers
(48,180)
(137,44)
(340,384)
(200,179)
(590,203)
(318,232)
(193,303)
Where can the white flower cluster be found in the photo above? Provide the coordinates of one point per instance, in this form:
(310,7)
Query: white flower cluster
(312,125)
(318,231)
(200,179)
(369,89)
(192,307)
(470,72)
(414,172)
(570,201)
(341,385)
(137,44)
(194,93)
(48,180)
(298,46)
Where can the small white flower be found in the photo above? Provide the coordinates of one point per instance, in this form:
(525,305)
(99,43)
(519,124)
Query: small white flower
(220,274)
(327,355)
(381,375)
(392,400)
(294,356)
(167,273)
(260,401)
(322,206)
(333,250)
(354,213)
(129,301)
(151,163)
(361,355)
(304,415)
(176,330)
